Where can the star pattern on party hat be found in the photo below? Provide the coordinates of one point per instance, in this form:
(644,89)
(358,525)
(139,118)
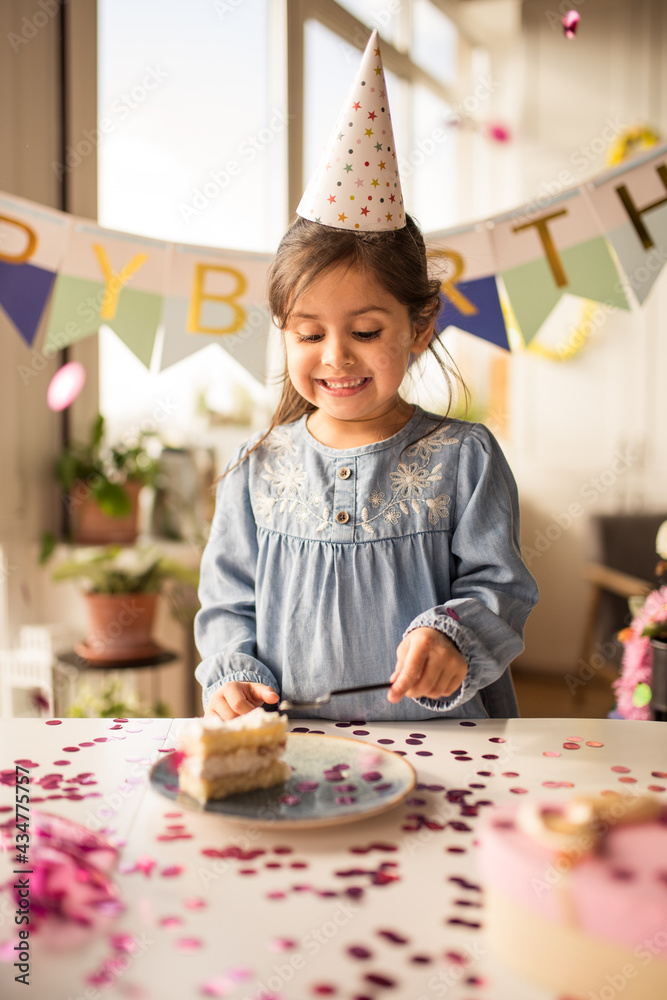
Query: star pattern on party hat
(356,185)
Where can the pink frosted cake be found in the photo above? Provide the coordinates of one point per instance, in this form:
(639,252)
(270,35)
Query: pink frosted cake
(576,894)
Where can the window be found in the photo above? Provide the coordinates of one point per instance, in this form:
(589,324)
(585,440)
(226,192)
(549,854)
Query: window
(189,90)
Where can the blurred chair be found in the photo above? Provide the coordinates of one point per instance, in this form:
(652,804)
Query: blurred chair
(625,567)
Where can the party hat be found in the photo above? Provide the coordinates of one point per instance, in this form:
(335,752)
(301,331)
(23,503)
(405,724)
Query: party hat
(356,185)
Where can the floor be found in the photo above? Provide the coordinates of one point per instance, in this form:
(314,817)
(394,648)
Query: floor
(564,697)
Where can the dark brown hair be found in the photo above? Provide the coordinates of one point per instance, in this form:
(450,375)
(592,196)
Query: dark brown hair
(396,259)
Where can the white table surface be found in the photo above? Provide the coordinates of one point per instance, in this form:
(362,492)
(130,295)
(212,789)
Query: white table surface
(296,945)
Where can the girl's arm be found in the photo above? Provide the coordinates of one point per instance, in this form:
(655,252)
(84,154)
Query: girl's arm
(225,627)
(492,591)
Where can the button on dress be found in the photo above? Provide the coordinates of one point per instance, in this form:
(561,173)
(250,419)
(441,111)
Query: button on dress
(321,559)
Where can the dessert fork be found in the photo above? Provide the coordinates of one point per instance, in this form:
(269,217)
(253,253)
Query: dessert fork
(324,699)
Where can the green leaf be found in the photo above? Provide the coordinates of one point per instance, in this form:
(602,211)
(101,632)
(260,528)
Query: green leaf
(97,432)
(112,498)
(47,547)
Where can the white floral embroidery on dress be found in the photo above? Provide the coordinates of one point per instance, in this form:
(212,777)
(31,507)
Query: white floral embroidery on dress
(288,479)
(425,447)
(409,484)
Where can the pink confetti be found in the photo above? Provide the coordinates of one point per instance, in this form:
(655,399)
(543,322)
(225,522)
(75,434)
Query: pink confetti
(575,739)
(172,870)
(307,786)
(188,945)
(593,743)
(551,753)
(7,953)
(570,22)
(571,746)
(54,722)
(620,769)
(170,923)
(217,986)
(656,788)
(290,800)
(519,791)
(145,864)
(281,944)
(126,943)
(65,386)
(194,903)
(239,973)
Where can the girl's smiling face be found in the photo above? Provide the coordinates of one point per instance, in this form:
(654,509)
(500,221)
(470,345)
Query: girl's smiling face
(348,343)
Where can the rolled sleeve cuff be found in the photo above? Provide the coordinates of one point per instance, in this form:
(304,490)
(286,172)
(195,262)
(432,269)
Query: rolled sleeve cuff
(211,674)
(470,648)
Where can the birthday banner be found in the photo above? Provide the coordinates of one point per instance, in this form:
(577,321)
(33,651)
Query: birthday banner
(599,241)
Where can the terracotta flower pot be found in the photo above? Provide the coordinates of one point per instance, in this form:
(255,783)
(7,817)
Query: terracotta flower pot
(120,627)
(91,526)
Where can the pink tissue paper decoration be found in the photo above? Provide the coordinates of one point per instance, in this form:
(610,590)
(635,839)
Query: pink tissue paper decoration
(72,894)
(570,22)
(65,386)
(637,663)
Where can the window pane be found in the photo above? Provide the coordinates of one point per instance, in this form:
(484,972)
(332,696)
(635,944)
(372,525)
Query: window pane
(431,164)
(434,41)
(329,68)
(380,14)
(192,149)
(185,103)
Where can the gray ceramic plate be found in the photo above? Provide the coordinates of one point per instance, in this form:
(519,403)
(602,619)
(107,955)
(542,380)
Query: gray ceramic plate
(321,792)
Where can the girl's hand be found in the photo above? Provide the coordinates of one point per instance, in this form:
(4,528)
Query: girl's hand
(428,665)
(237,698)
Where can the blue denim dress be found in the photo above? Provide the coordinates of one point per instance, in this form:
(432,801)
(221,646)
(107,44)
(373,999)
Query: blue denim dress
(320,560)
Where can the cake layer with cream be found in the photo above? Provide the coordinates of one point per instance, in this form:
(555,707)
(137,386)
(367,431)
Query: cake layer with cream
(226,758)
(577,891)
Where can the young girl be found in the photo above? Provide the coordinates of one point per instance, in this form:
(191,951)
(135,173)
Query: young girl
(361,539)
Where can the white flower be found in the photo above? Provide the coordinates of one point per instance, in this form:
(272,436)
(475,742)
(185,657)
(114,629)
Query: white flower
(410,480)
(391,515)
(376,498)
(265,505)
(289,479)
(280,440)
(437,507)
(427,445)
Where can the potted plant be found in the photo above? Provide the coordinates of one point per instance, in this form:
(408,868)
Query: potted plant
(122,587)
(101,484)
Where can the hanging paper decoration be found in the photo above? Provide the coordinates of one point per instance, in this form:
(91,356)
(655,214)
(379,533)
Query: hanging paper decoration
(631,203)
(570,23)
(216,298)
(469,291)
(204,296)
(65,386)
(544,253)
(109,278)
(32,242)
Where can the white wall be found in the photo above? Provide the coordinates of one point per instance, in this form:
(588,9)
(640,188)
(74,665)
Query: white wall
(571,420)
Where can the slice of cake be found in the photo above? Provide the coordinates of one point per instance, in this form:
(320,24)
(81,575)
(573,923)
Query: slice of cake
(576,894)
(226,758)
